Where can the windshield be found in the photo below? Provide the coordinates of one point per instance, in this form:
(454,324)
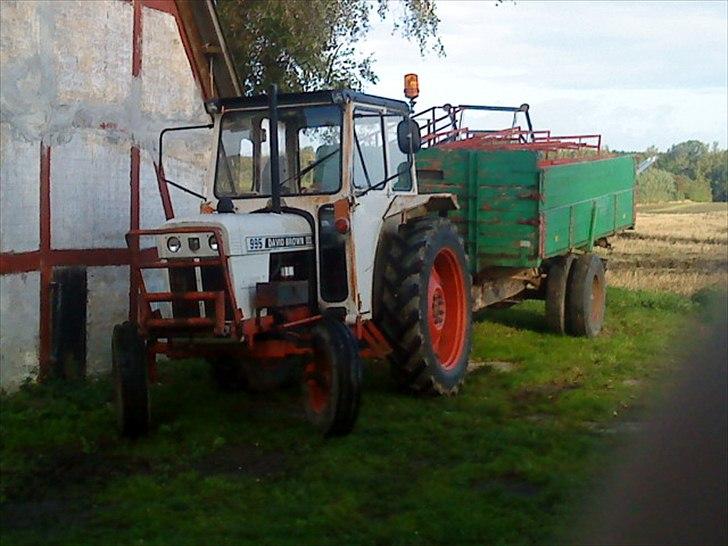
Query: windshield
(309,150)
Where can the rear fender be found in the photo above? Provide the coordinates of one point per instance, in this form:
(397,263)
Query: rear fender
(405,208)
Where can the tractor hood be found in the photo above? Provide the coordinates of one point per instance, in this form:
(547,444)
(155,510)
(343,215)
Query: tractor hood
(243,233)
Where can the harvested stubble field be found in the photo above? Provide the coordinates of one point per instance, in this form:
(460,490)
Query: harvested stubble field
(675,247)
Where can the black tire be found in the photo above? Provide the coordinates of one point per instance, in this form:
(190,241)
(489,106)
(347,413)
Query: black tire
(131,384)
(228,374)
(556,288)
(332,379)
(586,296)
(405,312)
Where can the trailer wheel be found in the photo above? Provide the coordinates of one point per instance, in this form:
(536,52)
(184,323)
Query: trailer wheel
(427,308)
(586,297)
(556,287)
(131,385)
(332,379)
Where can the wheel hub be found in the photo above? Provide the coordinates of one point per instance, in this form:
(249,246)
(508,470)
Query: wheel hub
(438,308)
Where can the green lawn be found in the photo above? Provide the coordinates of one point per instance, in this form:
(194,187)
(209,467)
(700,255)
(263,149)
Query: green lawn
(505,462)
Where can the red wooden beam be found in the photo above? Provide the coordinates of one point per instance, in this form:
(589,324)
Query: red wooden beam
(46,273)
(19,262)
(134,214)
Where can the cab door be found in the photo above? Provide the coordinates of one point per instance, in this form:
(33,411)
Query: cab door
(379,172)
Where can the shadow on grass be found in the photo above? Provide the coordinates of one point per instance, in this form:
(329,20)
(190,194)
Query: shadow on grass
(521,316)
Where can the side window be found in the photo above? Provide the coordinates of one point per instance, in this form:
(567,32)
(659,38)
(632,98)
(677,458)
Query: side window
(264,188)
(369,168)
(235,159)
(397,161)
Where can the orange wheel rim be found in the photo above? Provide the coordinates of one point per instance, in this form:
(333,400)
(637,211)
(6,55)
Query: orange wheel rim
(317,377)
(597,303)
(447,308)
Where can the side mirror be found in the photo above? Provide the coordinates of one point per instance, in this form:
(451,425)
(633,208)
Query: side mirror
(408,136)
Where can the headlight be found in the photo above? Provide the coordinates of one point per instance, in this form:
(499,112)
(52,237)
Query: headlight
(173,244)
(212,241)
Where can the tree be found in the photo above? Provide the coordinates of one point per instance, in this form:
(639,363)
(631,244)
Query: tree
(704,166)
(695,190)
(683,158)
(305,45)
(713,167)
(655,185)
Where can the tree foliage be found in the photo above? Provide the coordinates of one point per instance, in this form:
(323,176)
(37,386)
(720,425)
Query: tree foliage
(655,186)
(700,169)
(314,44)
(700,172)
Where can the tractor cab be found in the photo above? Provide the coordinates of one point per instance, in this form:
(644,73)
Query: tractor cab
(301,186)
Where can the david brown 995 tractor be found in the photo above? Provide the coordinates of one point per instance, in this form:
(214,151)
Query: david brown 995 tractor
(296,260)
(324,247)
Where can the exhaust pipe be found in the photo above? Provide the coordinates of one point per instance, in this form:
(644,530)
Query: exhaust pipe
(275,175)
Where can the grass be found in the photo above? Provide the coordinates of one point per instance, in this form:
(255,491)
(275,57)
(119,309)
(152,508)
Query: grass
(506,462)
(676,247)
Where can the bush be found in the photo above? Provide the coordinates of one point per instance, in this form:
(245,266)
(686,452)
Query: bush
(696,190)
(655,186)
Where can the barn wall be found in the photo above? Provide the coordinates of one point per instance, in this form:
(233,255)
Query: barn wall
(93,83)
(19,163)
(18,330)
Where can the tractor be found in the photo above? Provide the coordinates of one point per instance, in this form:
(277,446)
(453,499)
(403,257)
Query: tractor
(319,249)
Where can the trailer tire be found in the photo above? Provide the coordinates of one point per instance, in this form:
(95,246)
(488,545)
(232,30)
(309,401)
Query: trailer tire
(332,379)
(556,289)
(427,307)
(586,296)
(131,384)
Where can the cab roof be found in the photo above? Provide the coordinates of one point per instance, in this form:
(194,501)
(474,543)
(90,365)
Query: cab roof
(332,96)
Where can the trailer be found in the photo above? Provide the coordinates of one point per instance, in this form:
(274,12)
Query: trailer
(532,206)
(332,230)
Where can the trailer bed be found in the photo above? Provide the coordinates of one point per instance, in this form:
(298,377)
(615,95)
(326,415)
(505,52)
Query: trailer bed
(517,209)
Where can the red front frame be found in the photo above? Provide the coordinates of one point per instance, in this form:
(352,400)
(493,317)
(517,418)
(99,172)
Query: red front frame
(235,336)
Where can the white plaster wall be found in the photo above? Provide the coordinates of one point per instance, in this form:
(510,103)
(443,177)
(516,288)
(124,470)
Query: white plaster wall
(108,305)
(92,49)
(90,191)
(150,202)
(66,79)
(19,195)
(166,70)
(168,92)
(19,299)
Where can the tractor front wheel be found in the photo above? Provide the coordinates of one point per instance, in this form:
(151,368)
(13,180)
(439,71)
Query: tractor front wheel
(131,384)
(332,379)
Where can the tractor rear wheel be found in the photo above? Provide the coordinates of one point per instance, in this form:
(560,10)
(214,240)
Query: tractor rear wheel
(332,379)
(556,287)
(426,307)
(586,296)
(131,384)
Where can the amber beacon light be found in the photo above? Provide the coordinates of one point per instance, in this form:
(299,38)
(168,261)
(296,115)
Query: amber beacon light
(411,86)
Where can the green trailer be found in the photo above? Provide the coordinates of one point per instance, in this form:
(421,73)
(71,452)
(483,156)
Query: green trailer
(529,220)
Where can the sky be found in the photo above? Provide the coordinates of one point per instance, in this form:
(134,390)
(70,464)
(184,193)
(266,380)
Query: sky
(640,73)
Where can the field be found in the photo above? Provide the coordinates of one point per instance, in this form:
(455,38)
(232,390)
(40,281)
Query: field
(675,247)
(508,461)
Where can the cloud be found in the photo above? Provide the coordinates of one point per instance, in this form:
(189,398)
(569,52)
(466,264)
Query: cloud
(641,73)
